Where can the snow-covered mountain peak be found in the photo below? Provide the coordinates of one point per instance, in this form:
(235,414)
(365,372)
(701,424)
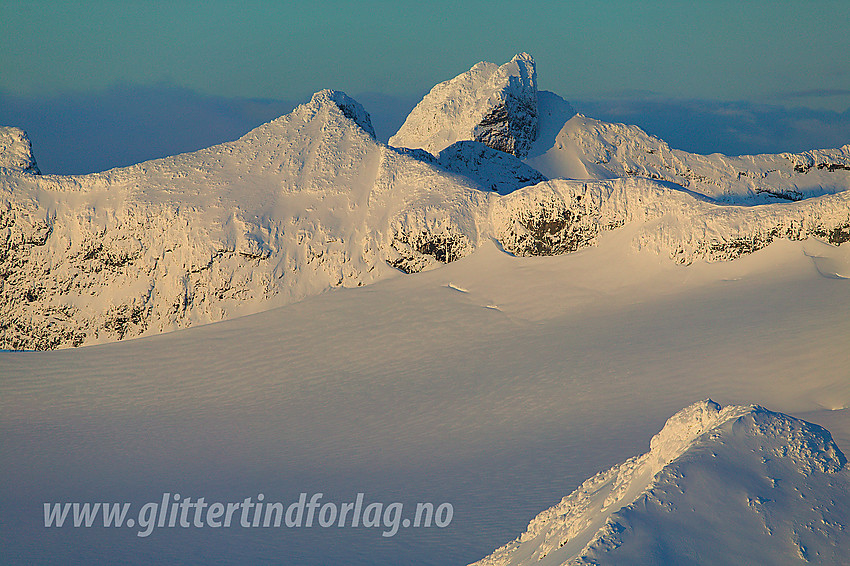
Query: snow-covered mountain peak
(350,108)
(495,105)
(16,150)
(685,427)
(587,148)
(301,204)
(719,485)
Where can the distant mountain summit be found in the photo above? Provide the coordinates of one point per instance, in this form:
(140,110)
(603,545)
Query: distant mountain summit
(16,150)
(491,104)
(304,203)
(731,485)
(501,107)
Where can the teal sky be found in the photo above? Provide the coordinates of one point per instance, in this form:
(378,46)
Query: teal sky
(780,52)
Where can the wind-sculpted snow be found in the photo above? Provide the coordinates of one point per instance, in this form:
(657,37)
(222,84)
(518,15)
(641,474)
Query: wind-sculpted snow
(586,148)
(494,105)
(731,485)
(16,150)
(562,216)
(301,204)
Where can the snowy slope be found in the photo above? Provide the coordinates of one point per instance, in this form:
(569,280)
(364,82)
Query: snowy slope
(561,144)
(495,105)
(586,148)
(301,204)
(496,383)
(16,150)
(731,485)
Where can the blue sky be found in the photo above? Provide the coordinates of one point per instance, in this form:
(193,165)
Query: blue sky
(784,54)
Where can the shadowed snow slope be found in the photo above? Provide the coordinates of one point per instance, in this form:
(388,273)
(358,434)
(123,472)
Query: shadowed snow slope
(298,205)
(731,485)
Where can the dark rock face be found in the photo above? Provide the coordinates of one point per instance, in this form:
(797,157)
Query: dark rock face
(510,127)
(417,252)
(547,222)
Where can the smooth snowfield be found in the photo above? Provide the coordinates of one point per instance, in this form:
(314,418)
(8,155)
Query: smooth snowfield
(497,383)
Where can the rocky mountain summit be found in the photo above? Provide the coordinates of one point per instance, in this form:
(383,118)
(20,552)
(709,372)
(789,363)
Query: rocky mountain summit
(494,105)
(16,151)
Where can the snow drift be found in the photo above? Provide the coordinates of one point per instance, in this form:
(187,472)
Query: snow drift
(731,485)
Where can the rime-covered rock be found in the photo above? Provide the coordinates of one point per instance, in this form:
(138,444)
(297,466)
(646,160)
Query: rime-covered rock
(560,216)
(16,150)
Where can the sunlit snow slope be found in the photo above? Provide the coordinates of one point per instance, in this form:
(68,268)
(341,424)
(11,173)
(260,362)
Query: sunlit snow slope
(497,383)
(301,204)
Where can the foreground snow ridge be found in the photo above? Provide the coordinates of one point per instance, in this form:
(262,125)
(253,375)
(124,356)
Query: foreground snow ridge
(730,485)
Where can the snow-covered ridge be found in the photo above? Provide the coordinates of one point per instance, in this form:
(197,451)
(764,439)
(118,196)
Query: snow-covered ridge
(312,201)
(767,485)
(304,203)
(586,148)
(16,150)
(495,105)
(501,107)
(560,216)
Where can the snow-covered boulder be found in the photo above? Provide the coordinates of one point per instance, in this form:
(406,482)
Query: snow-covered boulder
(495,105)
(16,150)
(731,485)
